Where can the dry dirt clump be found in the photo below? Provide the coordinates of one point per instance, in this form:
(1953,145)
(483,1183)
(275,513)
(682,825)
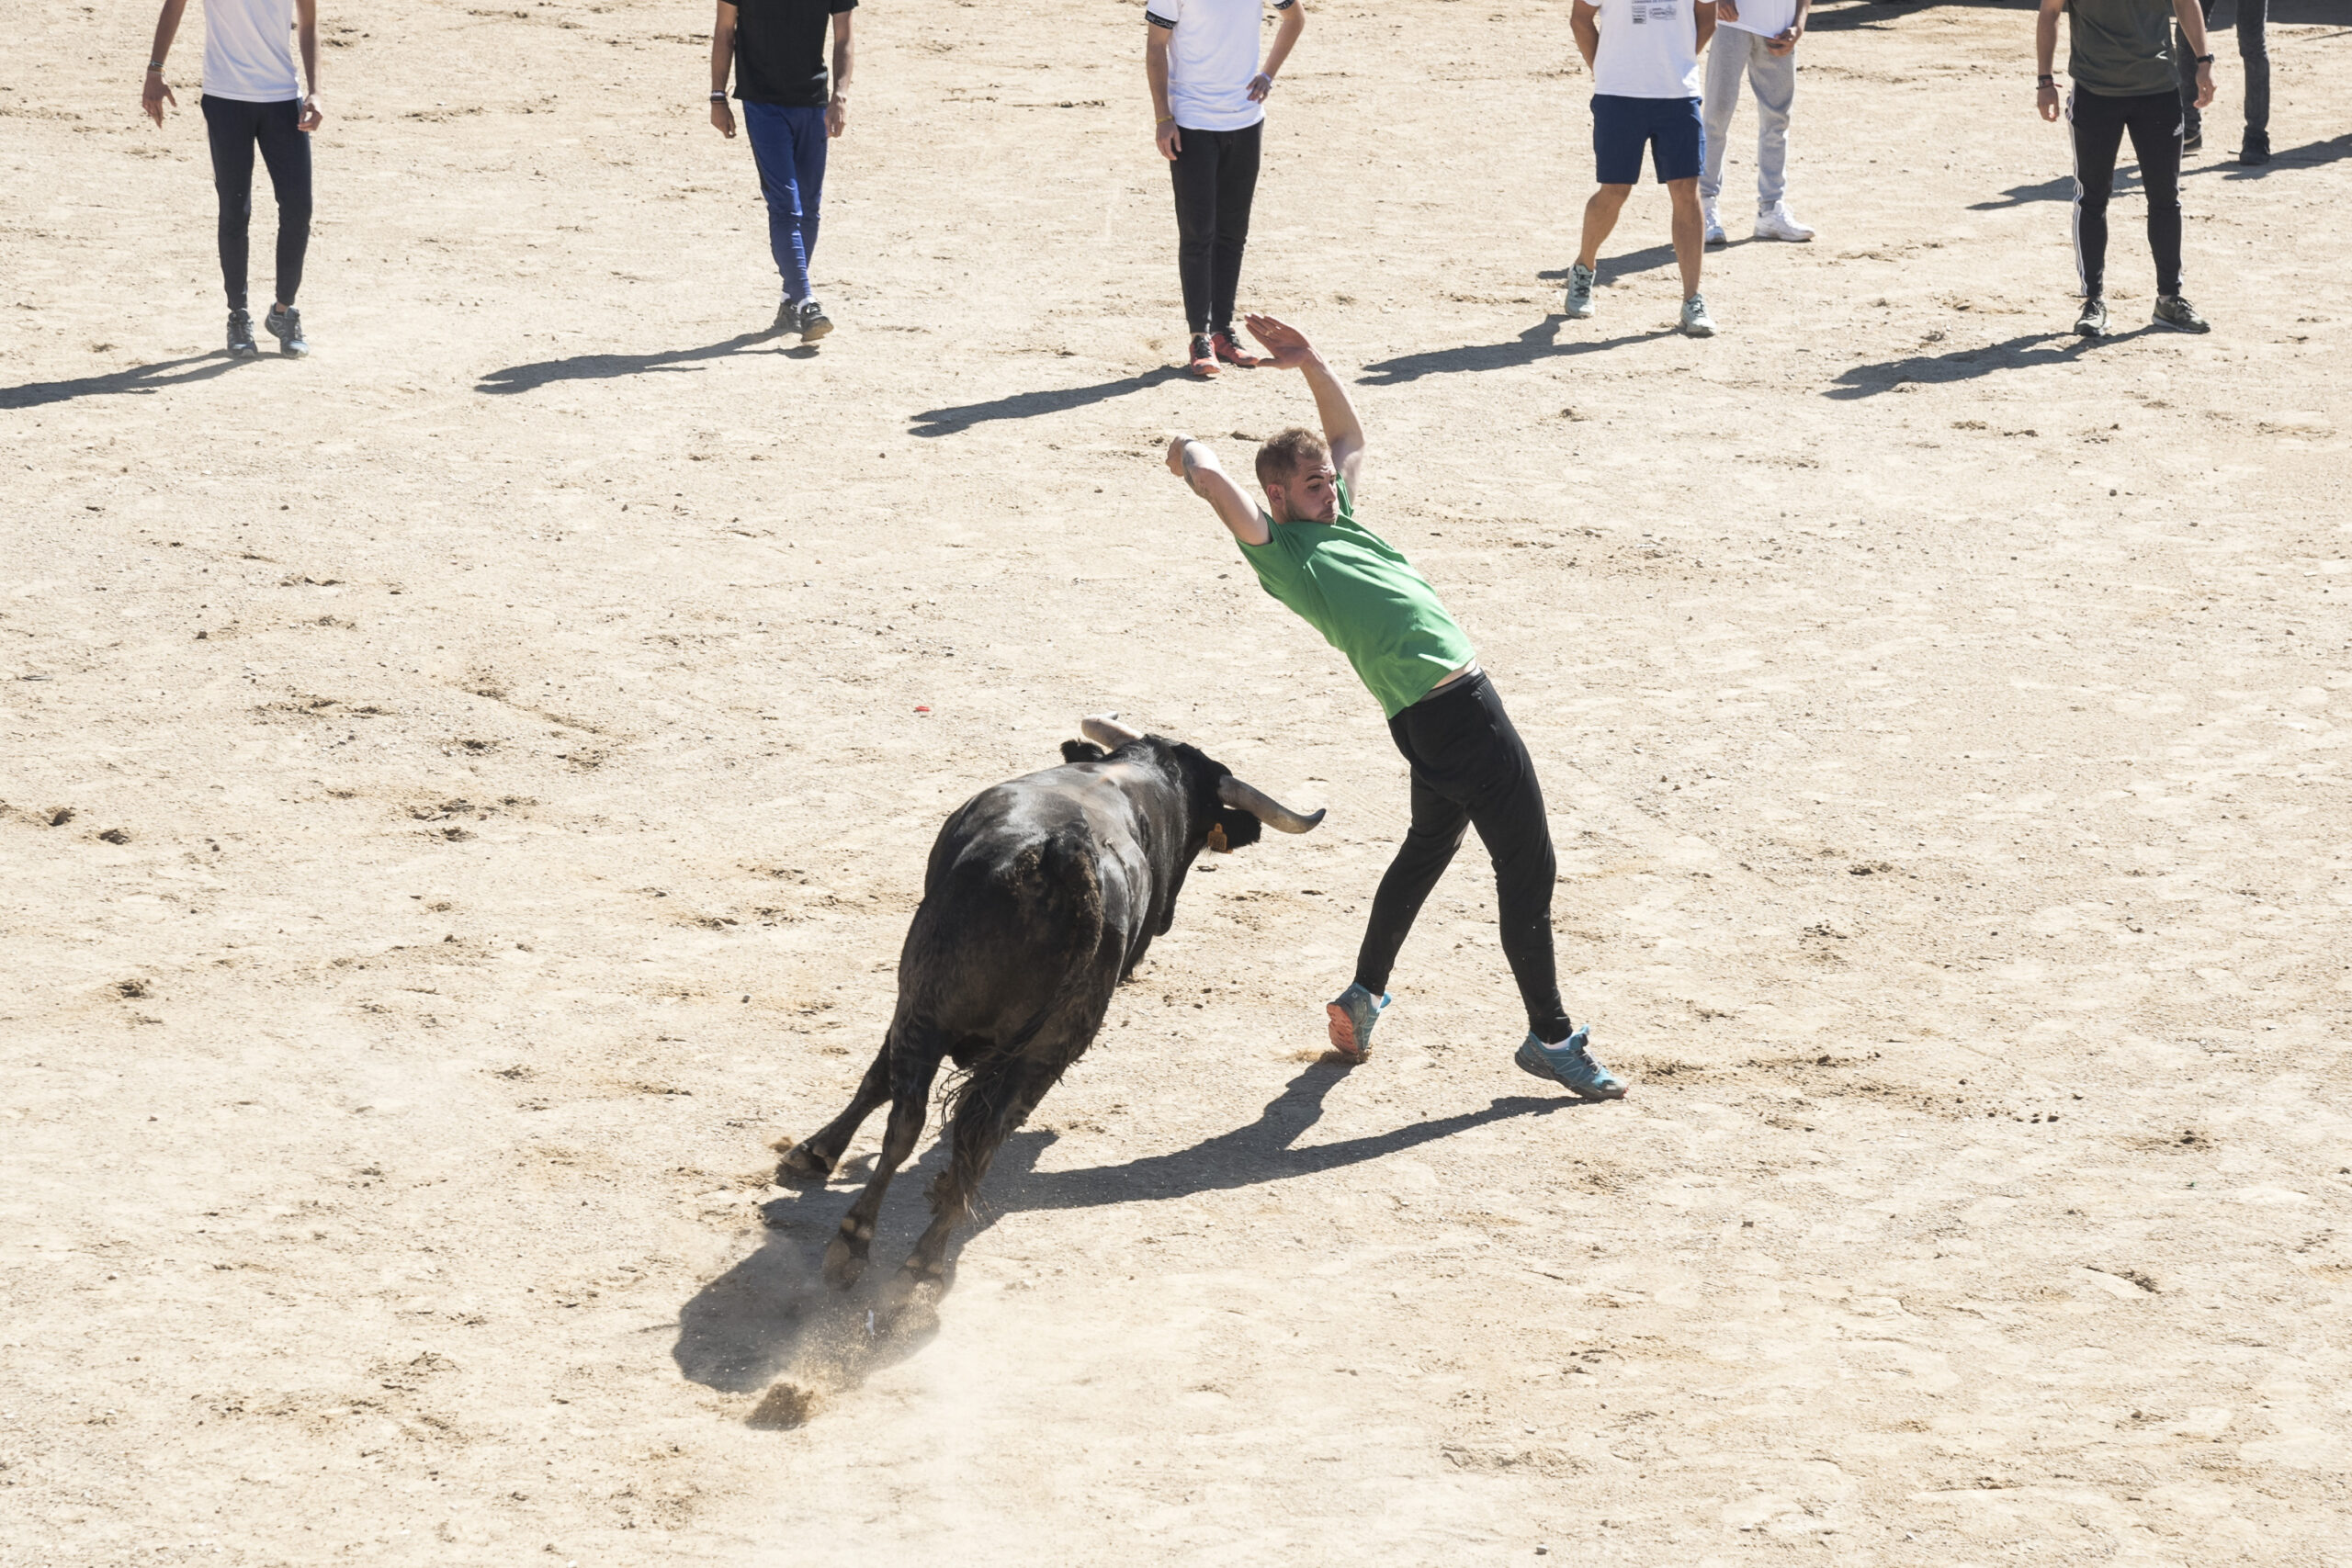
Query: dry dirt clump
(466,791)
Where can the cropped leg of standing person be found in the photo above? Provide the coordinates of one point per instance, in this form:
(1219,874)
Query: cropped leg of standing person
(253,99)
(1215,179)
(788,147)
(2254,55)
(793,108)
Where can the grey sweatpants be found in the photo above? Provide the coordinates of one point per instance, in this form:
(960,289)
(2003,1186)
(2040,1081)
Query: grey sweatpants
(1733,55)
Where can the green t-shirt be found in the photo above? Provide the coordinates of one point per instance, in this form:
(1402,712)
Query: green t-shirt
(1360,592)
(2120,49)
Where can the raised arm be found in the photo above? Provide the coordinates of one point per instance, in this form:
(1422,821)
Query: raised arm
(1196,463)
(1287,349)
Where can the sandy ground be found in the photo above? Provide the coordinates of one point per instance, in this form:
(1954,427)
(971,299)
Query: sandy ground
(465,793)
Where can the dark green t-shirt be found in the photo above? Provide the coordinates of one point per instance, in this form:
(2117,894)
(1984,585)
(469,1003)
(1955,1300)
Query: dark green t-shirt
(1360,592)
(2120,49)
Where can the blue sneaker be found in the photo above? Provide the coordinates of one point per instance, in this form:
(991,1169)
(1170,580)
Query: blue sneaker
(1352,1014)
(1571,1064)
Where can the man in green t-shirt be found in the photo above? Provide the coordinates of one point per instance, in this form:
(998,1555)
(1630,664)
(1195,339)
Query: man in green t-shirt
(1469,767)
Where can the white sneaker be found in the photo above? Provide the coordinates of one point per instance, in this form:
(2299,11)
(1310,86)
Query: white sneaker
(1716,236)
(1775,223)
(1696,323)
(1578,303)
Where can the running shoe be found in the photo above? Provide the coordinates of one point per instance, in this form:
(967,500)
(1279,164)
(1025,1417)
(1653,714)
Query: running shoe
(1230,351)
(1571,1063)
(286,326)
(1579,301)
(1203,361)
(813,323)
(2194,140)
(2257,148)
(241,336)
(1777,223)
(1696,323)
(1352,1014)
(2178,313)
(1714,221)
(787,317)
(2092,322)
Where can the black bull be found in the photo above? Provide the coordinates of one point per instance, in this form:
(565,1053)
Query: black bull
(1042,894)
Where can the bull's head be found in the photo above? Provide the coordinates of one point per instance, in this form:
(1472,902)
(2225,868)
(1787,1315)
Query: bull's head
(1243,811)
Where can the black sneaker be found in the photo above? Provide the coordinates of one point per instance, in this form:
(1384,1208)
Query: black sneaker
(2092,322)
(2257,148)
(814,323)
(286,326)
(2193,141)
(241,336)
(2178,313)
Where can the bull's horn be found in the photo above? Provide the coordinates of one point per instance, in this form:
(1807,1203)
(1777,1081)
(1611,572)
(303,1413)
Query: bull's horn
(1264,806)
(1105,730)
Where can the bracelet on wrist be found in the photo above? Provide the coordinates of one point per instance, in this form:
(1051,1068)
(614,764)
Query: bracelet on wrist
(719,98)
(154,65)
(2204,60)
(2045,81)
(1163,119)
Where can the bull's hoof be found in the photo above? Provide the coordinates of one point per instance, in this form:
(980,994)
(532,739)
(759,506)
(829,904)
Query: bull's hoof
(802,1164)
(844,1264)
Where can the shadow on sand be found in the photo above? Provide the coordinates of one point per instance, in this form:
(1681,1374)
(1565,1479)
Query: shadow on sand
(1029,405)
(608,366)
(771,1315)
(1538,341)
(138,380)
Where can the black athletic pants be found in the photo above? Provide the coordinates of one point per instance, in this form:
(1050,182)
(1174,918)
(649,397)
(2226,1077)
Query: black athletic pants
(2254,54)
(234,128)
(1216,176)
(2099,124)
(1470,770)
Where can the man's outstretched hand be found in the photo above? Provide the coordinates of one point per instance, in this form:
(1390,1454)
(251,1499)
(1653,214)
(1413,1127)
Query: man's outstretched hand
(1176,455)
(1286,348)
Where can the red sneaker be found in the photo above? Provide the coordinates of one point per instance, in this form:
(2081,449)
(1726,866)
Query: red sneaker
(1232,353)
(1203,361)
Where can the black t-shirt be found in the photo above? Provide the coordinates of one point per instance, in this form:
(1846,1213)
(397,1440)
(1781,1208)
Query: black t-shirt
(780,50)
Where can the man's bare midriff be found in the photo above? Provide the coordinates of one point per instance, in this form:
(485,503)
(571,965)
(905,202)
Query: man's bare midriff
(1467,669)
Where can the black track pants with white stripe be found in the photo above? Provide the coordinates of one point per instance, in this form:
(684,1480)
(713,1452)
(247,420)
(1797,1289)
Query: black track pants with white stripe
(2098,126)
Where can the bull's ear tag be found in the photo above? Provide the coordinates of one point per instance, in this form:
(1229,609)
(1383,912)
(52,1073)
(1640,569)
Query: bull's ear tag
(1217,838)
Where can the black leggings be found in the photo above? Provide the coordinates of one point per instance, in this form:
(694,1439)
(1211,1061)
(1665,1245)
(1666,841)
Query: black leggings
(234,128)
(2099,124)
(1470,770)
(1216,176)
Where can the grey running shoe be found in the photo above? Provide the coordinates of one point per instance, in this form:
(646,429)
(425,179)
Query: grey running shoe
(1580,303)
(2092,322)
(286,326)
(241,336)
(1571,1063)
(1352,1014)
(1696,323)
(1713,223)
(813,322)
(2178,313)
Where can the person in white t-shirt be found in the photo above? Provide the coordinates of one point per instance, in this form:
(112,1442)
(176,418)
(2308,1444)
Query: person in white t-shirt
(1757,39)
(1644,60)
(253,98)
(1208,92)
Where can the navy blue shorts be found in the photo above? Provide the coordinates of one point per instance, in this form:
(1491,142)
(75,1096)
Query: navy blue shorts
(1670,127)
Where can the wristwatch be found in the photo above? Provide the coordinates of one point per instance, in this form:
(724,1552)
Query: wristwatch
(2204,60)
